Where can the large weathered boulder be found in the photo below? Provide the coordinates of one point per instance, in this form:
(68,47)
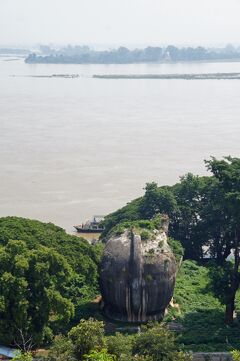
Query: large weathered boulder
(137,275)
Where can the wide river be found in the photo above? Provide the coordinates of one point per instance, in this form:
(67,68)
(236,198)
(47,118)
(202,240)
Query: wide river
(71,148)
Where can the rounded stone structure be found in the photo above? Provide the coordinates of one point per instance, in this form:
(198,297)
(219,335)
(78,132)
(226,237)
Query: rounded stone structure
(137,275)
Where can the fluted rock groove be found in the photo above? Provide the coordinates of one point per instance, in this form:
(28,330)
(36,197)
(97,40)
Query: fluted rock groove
(138,274)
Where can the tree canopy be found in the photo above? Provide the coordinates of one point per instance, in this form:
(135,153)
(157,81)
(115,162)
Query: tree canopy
(32,287)
(44,275)
(204,216)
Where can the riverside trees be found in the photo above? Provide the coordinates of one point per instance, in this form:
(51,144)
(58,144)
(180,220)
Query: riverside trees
(204,216)
(45,273)
(44,276)
(32,287)
(227,173)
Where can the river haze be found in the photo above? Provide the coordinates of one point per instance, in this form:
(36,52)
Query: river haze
(71,148)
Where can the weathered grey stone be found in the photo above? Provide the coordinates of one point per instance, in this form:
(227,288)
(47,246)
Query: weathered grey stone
(137,277)
(212,356)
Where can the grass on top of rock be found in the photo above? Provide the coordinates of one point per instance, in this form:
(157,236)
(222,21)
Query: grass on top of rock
(141,226)
(200,313)
(145,229)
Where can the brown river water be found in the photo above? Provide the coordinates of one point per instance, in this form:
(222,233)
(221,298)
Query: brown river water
(72,148)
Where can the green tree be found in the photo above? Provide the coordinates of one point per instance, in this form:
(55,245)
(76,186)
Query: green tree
(130,212)
(214,220)
(227,172)
(86,336)
(157,200)
(61,349)
(159,343)
(82,257)
(32,288)
(186,223)
(197,213)
(180,202)
(120,345)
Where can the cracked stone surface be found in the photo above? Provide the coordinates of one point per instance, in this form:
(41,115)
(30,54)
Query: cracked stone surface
(137,276)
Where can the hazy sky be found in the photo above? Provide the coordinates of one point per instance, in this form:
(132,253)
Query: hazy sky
(115,22)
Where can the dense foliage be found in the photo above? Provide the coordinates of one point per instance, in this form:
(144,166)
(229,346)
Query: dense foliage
(146,228)
(86,336)
(88,342)
(157,343)
(204,214)
(180,202)
(32,286)
(47,277)
(236,355)
(101,355)
(81,256)
(200,313)
(45,274)
(120,346)
(196,310)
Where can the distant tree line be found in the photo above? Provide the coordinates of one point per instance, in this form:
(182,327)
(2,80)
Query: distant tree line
(123,55)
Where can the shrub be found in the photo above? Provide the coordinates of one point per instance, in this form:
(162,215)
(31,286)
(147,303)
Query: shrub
(101,355)
(86,336)
(159,343)
(145,235)
(235,355)
(120,345)
(23,356)
(61,350)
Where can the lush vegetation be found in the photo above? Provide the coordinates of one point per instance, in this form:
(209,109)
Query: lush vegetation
(87,341)
(236,355)
(48,277)
(45,277)
(200,313)
(156,222)
(204,214)
(146,228)
(196,310)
